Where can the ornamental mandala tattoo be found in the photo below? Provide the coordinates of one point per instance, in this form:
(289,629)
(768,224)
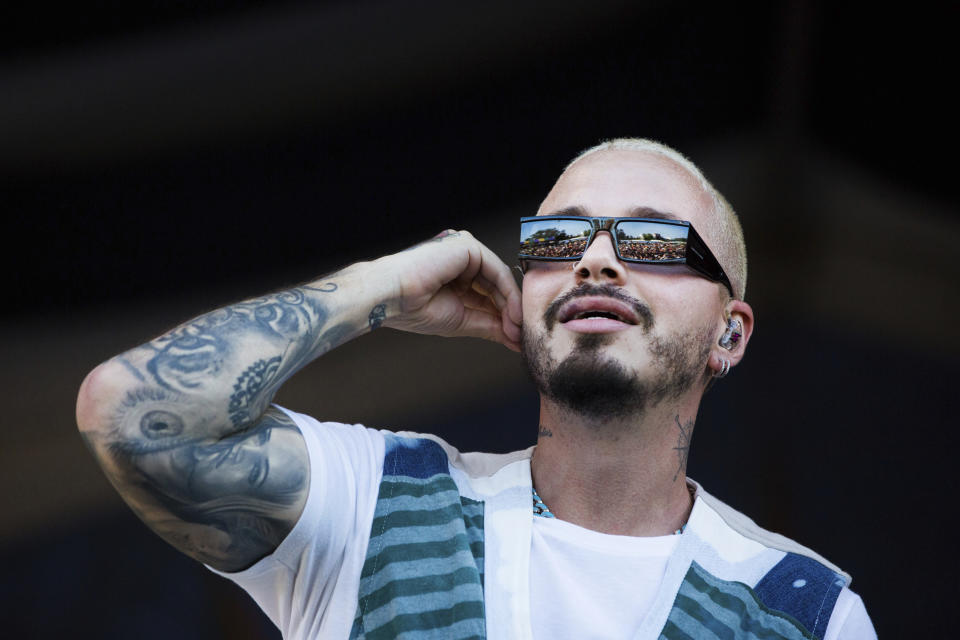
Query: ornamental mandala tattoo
(248,387)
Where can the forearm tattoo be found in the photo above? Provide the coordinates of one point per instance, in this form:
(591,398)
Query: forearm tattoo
(377,315)
(222,480)
(194,353)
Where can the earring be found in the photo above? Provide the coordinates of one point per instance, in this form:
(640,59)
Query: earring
(724,369)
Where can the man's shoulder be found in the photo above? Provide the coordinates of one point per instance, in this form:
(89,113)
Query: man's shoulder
(744,526)
(413,448)
(475,464)
(761,574)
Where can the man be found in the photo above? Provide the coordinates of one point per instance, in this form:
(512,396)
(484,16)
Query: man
(632,305)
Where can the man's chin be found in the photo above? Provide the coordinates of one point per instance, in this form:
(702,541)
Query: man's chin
(578,344)
(595,386)
(588,376)
(591,342)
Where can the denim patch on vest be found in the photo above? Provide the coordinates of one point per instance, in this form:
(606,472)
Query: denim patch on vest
(804,588)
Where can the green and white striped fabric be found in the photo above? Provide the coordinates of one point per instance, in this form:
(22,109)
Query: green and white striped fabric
(423,573)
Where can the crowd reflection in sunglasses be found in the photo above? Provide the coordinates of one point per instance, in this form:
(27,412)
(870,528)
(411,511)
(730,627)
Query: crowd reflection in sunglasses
(563,249)
(655,250)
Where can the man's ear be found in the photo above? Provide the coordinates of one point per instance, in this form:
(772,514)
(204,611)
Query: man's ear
(732,342)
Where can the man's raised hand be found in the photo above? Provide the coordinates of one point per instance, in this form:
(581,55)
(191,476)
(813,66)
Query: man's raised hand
(452,285)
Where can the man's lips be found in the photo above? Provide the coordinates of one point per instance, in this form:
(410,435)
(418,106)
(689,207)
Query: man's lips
(595,325)
(607,302)
(597,314)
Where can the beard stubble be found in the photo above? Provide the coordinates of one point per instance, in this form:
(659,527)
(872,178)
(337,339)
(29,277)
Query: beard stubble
(602,388)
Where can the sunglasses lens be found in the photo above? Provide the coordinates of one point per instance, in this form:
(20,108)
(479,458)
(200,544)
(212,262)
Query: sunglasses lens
(552,238)
(651,241)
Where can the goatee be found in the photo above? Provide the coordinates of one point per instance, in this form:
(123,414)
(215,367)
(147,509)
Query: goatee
(601,388)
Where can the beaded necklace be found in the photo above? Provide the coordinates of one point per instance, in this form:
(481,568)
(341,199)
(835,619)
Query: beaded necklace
(542,510)
(539,508)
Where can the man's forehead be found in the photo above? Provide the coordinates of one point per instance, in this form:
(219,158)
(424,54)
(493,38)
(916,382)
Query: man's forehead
(620,183)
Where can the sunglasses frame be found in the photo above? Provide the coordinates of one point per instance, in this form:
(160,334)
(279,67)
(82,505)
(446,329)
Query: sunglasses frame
(697,256)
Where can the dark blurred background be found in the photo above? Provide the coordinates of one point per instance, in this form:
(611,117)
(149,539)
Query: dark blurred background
(161,159)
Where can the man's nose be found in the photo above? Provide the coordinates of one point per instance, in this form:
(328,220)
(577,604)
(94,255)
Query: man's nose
(600,263)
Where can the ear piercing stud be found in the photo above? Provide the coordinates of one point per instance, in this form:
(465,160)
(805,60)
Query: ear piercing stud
(732,335)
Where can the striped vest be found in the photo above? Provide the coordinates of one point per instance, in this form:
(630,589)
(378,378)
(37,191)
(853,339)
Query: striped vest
(424,574)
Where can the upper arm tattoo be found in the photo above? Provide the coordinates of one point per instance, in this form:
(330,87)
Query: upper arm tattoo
(226,502)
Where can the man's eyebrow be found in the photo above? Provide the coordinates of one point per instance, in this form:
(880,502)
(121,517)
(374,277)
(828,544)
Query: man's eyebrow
(636,212)
(573,210)
(650,212)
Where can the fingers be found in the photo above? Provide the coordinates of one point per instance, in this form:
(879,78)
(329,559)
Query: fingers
(483,286)
(512,331)
(454,285)
(505,291)
(498,282)
(485,273)
(482,324)
(480,302)
(506,295)
(488,275)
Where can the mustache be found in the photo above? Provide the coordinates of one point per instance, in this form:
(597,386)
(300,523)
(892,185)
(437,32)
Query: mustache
(589,289)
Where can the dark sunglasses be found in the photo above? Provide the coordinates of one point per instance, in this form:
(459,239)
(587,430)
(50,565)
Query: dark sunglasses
(646,240)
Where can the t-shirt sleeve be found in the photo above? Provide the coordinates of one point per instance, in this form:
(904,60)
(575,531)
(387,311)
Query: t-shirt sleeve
(308,585)
(850,620)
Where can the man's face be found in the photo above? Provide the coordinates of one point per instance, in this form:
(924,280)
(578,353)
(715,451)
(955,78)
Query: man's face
(255,468)
(669,317)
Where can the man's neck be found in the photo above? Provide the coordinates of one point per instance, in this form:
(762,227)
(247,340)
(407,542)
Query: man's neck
(624,476)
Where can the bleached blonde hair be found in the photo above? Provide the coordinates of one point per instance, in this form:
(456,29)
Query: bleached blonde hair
(725,231)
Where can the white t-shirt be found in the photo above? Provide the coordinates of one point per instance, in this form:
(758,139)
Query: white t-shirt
(308,586)
(585,584)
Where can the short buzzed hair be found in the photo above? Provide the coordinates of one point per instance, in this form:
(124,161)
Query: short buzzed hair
(732,249)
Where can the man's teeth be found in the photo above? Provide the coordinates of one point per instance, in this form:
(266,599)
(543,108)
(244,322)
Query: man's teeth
(596,314)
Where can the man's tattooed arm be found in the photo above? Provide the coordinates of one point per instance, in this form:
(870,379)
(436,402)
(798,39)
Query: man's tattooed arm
(183,427)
